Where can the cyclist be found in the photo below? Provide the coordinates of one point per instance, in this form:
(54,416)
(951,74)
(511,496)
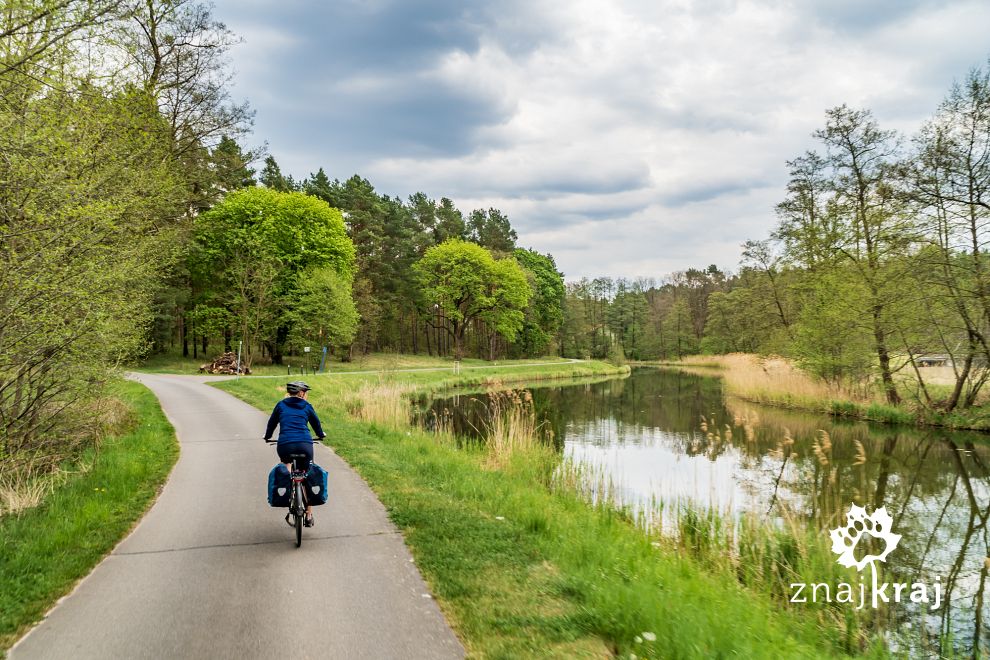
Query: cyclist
(292,415)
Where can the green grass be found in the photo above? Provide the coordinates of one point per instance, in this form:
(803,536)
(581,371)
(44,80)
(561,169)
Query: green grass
(174,363)
(523,569)
(44,551)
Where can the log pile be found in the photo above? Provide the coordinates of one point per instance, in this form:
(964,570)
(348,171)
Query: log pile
(224,364)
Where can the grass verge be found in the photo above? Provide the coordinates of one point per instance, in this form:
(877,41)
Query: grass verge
(45,550)
(174,363)
(523,568)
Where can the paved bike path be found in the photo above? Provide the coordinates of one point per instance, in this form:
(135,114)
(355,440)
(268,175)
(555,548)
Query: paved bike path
(213,571)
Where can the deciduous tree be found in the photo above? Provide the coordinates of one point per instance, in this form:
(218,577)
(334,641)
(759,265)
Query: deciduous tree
(468,283)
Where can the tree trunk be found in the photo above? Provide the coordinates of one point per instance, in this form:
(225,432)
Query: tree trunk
(890,388)
(961,378)
(183,333)
(458,336)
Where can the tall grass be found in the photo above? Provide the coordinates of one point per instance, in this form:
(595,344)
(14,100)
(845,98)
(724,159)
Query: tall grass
(385,403)
(27,479)
(511,427)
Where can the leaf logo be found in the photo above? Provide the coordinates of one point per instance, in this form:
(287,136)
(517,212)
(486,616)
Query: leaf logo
(845,539)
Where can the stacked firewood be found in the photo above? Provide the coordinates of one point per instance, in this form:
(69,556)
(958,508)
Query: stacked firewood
(225,364)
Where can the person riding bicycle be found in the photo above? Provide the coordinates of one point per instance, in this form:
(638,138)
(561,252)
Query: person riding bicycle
(292,415)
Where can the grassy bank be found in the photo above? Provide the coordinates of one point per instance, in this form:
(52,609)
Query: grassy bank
(174,363)
(777,382)
(46,549)
(520,562)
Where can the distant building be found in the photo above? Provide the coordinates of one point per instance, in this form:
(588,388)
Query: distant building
(934,360)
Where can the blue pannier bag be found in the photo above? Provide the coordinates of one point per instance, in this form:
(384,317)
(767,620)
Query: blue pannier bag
(279,486)
(316,485)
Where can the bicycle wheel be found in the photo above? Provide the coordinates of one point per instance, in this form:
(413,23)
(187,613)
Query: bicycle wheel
(300,512)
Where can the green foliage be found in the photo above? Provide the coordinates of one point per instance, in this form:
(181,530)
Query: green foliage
(271,177)
(87,202)
(251,249)
(830,342)
(888,414)
(230,166)
(491,229)
(318,185)
(101,173)
(209,320)
(468,284)
(845,409)
(321,309)
(545,312)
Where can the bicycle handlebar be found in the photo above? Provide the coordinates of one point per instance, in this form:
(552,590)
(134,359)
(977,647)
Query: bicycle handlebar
(272,442)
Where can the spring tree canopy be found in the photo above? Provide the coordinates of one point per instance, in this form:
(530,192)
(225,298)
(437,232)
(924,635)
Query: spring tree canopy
(468,284)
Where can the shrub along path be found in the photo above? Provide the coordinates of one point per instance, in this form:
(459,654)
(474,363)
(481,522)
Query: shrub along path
(213,570)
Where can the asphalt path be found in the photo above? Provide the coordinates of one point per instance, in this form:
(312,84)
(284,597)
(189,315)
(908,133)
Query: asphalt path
(213,572)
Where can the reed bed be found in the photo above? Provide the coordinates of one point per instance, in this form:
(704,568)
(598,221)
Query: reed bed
(511,427)
(775,379)
(385,403)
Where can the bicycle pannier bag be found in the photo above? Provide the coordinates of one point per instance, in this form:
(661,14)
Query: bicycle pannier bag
(316,485)
(279,486)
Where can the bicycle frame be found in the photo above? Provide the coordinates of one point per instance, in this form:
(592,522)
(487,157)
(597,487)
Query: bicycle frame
(298,477)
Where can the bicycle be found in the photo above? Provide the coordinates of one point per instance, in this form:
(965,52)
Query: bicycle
(297,503)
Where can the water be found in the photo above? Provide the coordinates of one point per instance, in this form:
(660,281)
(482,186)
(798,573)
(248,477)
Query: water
(668,435)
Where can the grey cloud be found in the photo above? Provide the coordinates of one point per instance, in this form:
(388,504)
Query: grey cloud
(405,120)
(546,218)
(580,178)
(856,17)
(707,191)
(390,44)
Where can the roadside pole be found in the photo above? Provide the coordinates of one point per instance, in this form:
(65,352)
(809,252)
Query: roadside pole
(237,370)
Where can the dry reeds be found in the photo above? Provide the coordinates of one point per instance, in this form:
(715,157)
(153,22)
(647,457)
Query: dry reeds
(511,425)
(27,488)
(385,403)
(442,427)
(770,379)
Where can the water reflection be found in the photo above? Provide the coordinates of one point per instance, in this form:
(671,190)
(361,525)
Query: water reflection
(674,436)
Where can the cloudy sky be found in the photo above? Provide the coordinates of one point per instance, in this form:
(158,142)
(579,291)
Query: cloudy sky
(626,137)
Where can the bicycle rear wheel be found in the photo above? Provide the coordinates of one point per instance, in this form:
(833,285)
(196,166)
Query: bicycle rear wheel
(300,512)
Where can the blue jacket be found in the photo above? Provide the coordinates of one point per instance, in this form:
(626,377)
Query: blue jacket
(291,415)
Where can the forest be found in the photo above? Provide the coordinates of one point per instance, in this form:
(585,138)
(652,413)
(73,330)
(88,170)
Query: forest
(134,221)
